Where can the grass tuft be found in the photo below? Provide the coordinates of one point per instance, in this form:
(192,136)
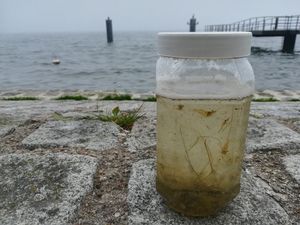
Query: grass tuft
(123,119)
(265,100)
(117,97)
(294,100)
(21,98)
(59,117)
(150,99)
(72,97)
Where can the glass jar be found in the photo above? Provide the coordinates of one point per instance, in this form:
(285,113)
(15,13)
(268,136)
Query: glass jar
(204,89)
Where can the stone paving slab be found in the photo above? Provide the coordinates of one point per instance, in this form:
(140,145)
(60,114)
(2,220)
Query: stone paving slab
(8,123)
(267,134)
(76,115)
(40,190)
(252,206)
(90,134)
(11,119)
(37,109)
(31,109)
(263,134)
(292,165)
(6,130)
(297,125)
(284,110)
(143,134)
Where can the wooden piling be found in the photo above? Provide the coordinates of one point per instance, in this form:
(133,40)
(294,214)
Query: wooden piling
(289,41)
(109,30)
(193,22)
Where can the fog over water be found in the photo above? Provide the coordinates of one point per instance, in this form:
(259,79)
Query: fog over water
(167,15)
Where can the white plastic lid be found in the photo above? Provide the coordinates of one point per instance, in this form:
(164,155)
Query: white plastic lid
(205,45)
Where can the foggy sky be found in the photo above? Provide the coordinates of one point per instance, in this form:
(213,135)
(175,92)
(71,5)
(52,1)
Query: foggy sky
(152,15)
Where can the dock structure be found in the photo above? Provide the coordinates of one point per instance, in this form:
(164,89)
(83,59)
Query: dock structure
(269,26)
(109,30)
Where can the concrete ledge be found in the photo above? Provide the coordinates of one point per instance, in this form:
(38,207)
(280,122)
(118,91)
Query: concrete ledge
(284,95)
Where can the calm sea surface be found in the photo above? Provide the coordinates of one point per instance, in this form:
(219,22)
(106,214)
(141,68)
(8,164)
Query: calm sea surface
(88,62)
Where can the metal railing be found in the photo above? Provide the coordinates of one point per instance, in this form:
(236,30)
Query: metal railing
(266,23)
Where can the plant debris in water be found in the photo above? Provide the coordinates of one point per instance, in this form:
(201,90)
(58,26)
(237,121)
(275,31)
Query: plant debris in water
(123,119)
(118,97)
(72,97)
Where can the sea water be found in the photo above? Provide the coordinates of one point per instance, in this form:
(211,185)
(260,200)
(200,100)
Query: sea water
(88,62)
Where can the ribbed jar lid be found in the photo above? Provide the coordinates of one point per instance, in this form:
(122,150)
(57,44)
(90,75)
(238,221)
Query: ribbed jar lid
(207,45)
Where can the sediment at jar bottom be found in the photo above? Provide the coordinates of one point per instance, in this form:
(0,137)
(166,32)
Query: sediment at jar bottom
(200,148)
(195,203)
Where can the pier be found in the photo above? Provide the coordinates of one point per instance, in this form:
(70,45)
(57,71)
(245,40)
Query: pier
(269,26)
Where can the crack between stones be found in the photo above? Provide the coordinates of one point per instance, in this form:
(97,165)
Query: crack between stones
(266,182)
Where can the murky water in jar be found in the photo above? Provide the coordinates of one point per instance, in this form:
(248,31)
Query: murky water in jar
(199,152)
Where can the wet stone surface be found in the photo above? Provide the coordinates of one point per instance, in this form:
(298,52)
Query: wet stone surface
(45,189)
(267,134)
(252,206)
(89,134)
